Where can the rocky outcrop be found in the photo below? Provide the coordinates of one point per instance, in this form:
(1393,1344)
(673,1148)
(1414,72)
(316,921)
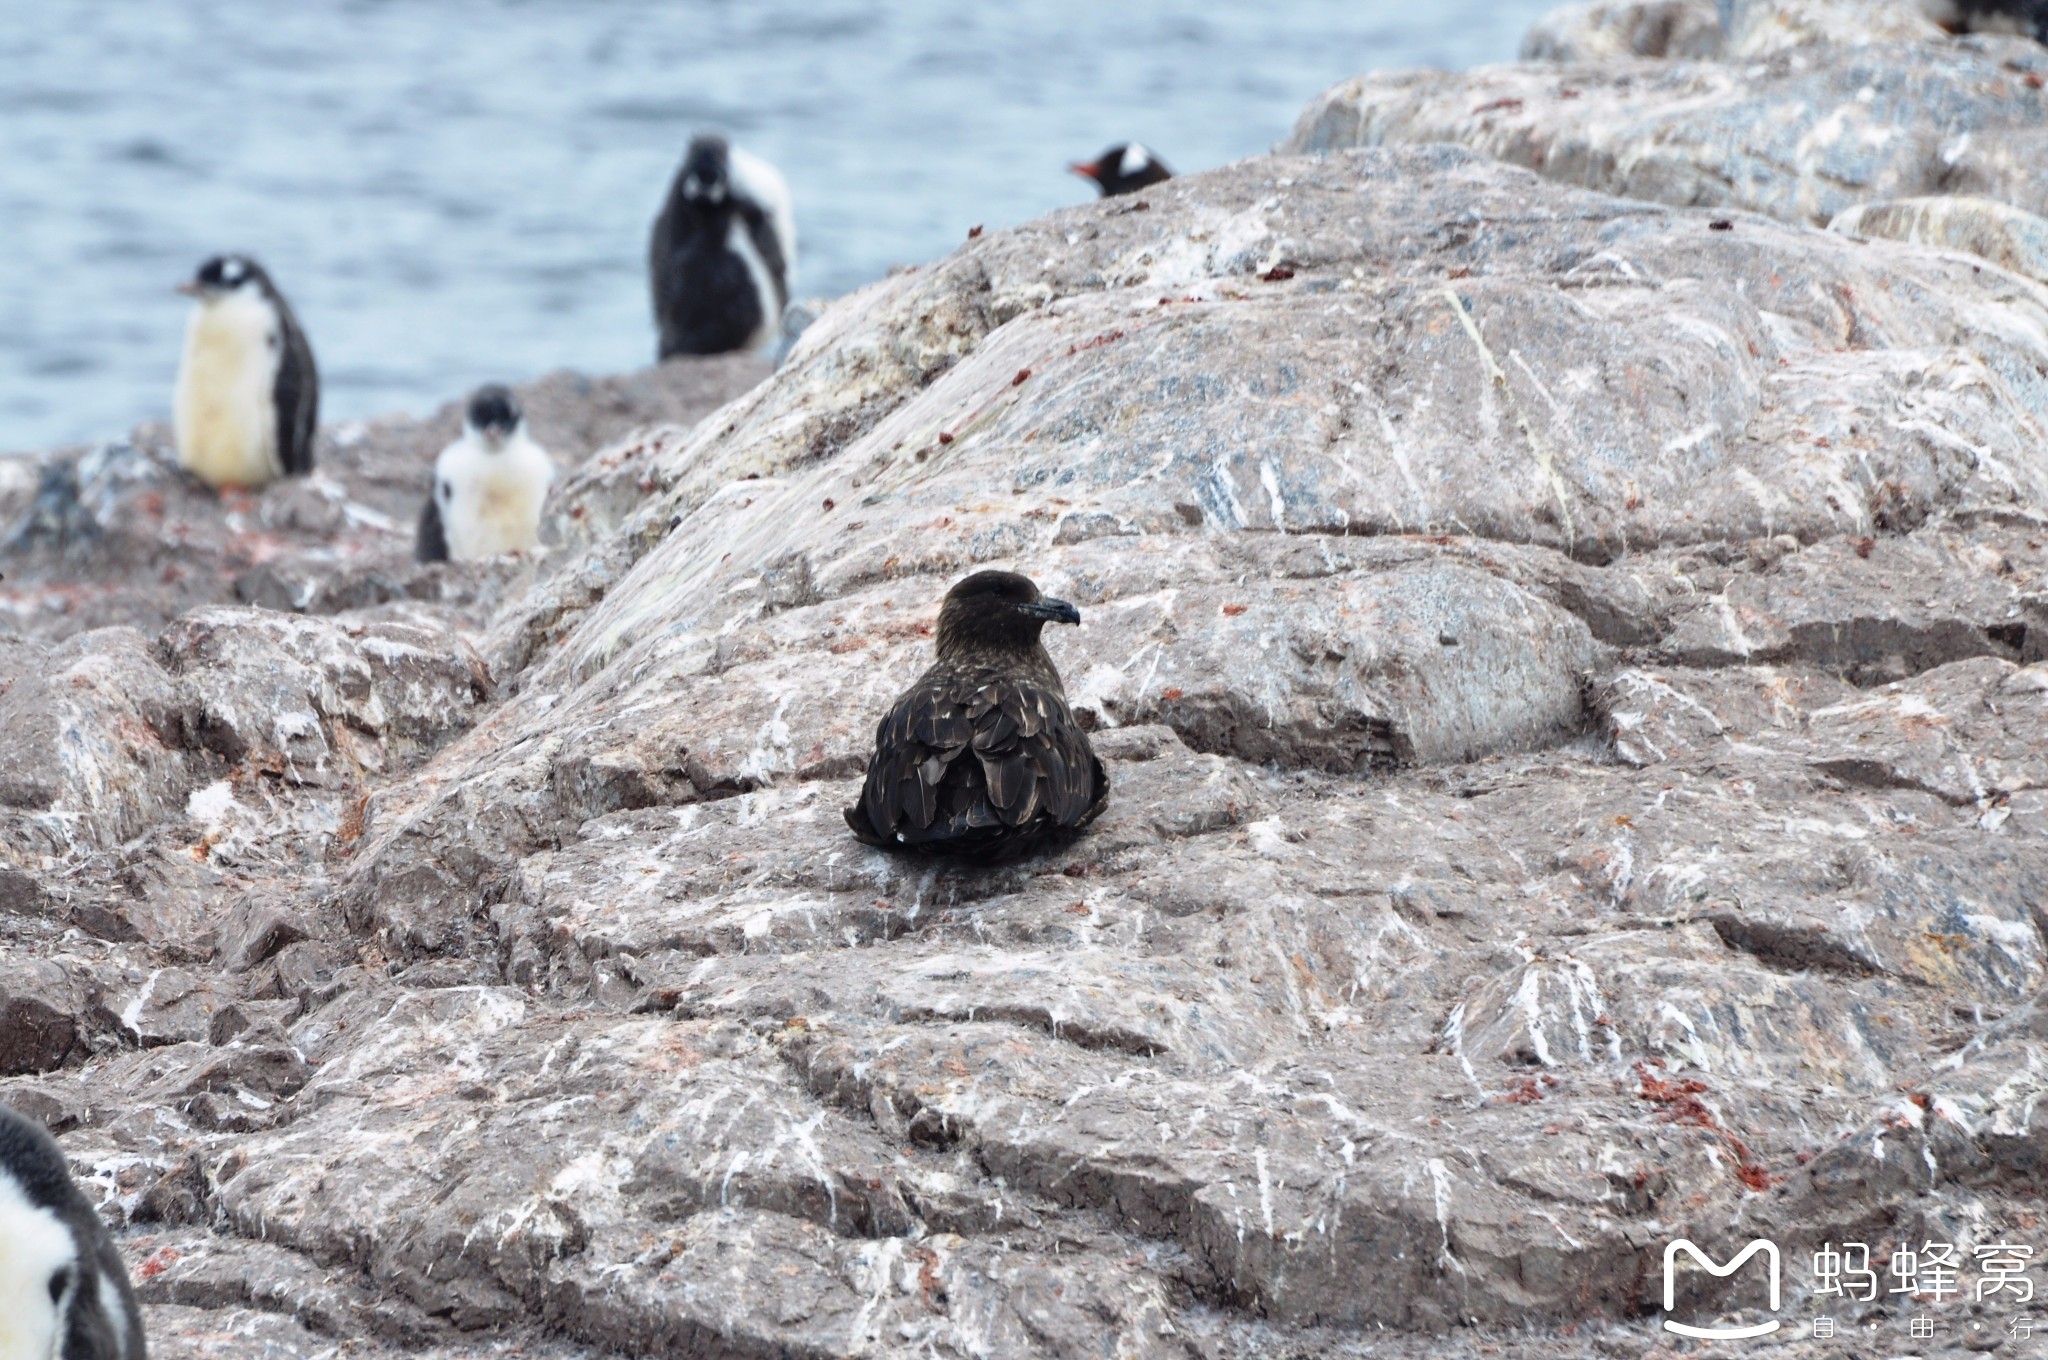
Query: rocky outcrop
(117,535)
(1602,30)
(2009,237)
(1816,108)
(1571,673)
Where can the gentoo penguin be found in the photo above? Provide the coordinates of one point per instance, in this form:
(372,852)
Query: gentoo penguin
(488,485)
(248,396)
(2028,18)
(724,252)
(982,758)
(1123,169)
(64,1292)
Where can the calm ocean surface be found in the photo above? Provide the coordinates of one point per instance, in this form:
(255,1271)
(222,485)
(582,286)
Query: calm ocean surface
(454,192)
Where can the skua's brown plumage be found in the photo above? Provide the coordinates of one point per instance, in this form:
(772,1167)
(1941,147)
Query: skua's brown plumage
(981,758)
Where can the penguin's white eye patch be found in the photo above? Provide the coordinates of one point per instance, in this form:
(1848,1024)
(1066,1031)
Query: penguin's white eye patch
(1134,159)
(231,272)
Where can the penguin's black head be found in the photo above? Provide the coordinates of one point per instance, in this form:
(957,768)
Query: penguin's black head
(223,274)
(997,610)
(493,412)
(706,176)
(1124,168)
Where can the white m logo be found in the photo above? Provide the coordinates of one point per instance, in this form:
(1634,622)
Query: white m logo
(1706,1262)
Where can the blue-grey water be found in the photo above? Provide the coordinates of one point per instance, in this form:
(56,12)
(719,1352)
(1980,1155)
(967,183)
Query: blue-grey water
(459,190)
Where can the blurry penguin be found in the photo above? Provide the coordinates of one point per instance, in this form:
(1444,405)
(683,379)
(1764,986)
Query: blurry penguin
(488,485)
(723,253)
(64,1292)
(248,398)
(1123,169)
(2027,18)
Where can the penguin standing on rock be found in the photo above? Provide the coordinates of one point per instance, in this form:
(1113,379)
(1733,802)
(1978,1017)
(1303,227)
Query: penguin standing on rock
(248,397)
(64,1292)
(489,485)
(723,253)
(1123,169)
(981,758)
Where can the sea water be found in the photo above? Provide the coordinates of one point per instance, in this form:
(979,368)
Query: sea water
(454,191)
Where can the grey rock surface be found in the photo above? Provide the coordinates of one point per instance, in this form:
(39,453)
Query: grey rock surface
(1573,684)
(1754,28)
(2009,237)
(1800,130)
(1601,30)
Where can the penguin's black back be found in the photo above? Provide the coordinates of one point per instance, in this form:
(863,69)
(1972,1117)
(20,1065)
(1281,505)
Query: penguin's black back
(297,391)
(31,1159)
(431,542)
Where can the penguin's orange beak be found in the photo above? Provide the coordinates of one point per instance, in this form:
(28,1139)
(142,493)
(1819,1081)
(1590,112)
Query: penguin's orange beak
(1090,169)
(189,288)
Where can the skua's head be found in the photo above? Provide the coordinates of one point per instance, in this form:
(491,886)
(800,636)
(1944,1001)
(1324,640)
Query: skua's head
(998,610)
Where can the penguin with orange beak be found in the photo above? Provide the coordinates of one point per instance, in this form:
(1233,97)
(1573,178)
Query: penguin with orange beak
(1123,169)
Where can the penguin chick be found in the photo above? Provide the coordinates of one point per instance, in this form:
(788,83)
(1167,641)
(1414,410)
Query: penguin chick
(723,253)
(982,758)
(1123,169)
(248,396)
(64,1292)
(489,485)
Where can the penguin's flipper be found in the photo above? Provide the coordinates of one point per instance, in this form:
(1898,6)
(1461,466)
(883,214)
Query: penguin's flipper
(432,543)
(768,245)
(298,396)
(756,180)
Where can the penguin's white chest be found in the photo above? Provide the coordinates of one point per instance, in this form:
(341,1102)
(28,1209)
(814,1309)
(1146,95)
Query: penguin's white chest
(34,1245)
(225,414)
(494,499)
